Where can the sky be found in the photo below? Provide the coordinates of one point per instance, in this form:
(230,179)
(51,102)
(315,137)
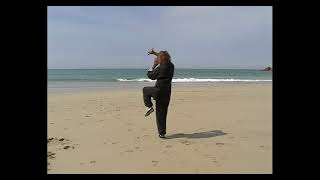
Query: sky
(85,37)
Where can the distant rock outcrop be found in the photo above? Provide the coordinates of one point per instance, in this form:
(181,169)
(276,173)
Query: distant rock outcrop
(267,69)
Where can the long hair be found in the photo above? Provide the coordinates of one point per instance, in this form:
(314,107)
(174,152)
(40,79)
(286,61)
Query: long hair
(166,55)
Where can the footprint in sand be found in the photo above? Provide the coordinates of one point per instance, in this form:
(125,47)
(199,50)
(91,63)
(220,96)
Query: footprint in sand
(63,142)
(155,163)
(55,140)
(217,163)
(185,142)
(219,144)
(263,147)
(68,147)
(51,155)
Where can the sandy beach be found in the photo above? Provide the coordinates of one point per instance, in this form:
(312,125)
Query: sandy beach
(216,129)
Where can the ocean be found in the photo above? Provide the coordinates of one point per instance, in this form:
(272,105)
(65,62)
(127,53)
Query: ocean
(63,79)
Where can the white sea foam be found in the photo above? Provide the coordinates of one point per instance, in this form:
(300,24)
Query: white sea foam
(137,80)
(198,80)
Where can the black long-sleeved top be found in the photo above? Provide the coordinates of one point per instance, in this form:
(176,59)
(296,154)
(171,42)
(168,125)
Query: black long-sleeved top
(163,74)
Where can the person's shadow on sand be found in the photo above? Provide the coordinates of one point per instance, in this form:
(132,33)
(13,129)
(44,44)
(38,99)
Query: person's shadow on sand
(206,134)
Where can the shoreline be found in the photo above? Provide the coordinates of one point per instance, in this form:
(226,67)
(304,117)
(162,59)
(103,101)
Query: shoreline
(123,86)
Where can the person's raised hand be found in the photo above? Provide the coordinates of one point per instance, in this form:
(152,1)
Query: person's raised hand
(151,51)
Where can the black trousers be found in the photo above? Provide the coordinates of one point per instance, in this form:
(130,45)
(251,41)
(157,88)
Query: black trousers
(162,103)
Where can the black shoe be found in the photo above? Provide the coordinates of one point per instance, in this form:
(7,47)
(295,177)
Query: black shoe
(149,111)
(161,136)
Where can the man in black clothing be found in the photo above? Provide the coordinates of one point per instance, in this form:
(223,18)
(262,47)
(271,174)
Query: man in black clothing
(162,71)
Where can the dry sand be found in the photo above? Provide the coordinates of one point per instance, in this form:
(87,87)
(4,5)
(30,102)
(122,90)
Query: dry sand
(221,129)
